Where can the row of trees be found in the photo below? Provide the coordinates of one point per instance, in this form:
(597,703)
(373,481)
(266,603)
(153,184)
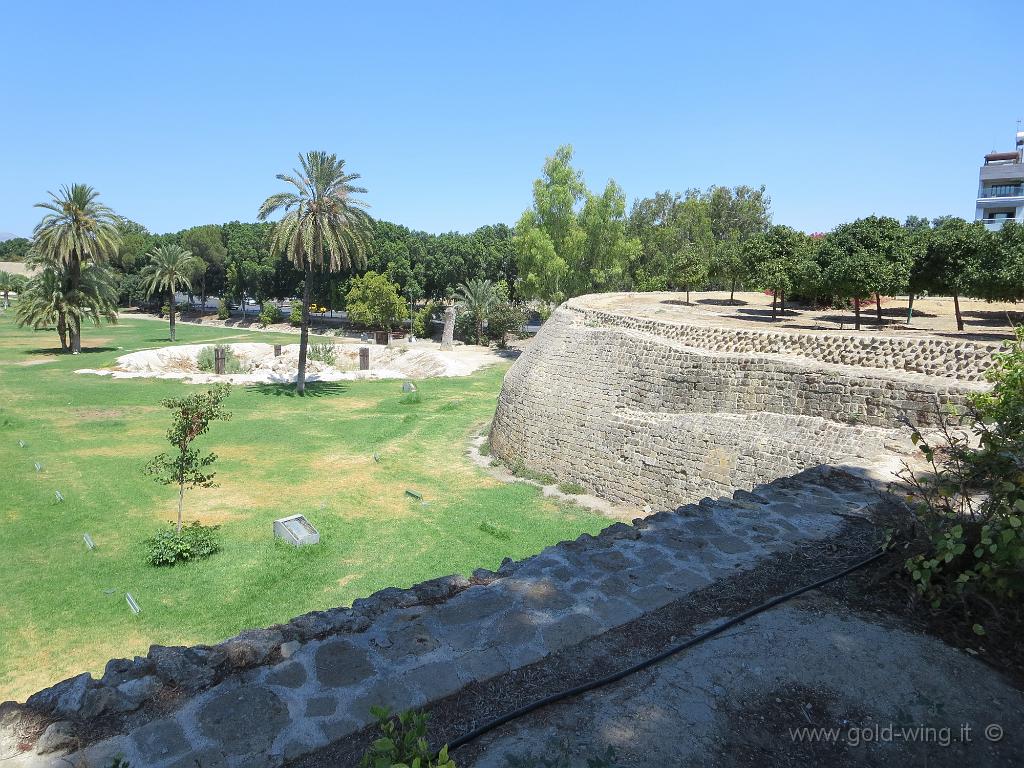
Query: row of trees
(876,255)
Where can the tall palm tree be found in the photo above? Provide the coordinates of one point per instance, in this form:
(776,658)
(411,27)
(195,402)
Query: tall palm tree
(322,219)
(477,296)
(78,229)
(170,269)
(47,301)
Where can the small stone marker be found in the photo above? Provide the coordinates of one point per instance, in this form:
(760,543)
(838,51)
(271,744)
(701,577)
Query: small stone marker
(131,603)
(89,543)
(39,467)
(408,387)
(21,443)
(364,358)
(277,350)
(376,457)
(109,591)
(59,495)
(296,530)
(414,494)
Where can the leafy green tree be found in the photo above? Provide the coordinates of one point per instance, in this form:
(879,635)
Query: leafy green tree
(691,243)
(736,214)
(322,218)
(15,249)
(477,298)
(953,259)
(47,299)
(78,229)
(774,260)
(1002,274)
(170,269)
(373,301)
(873,256)
(136,241)
(572,241)
(206,243)
(505,317)
(191,419)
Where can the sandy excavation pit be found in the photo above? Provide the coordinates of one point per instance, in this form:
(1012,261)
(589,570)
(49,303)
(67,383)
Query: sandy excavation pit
(260,365)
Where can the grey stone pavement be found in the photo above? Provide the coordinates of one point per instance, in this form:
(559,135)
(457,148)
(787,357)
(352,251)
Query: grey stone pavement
(418,651)
(746,696)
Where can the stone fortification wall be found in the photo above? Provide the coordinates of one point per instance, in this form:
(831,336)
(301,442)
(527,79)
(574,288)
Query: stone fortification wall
(650,412)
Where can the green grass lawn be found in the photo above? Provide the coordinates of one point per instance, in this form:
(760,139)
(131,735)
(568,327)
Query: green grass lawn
(63,608)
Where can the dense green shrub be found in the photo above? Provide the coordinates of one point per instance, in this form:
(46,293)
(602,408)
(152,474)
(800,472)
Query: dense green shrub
(505,318)
(421,325)
(269,314)
(295,318)
(192,542)
(205,361)
(403,743)
(224,310)
(971,502)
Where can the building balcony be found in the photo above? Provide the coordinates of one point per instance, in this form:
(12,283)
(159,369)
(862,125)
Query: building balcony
(1001,190)
(994,225)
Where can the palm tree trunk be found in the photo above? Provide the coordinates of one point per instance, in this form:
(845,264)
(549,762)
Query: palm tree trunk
(956,307)
(75,281)
(878,307)
(300,382)
(856,312)
(62,331)
(170,304)
(181,500)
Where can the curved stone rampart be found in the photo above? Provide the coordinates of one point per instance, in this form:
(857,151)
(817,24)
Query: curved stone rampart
(643,411)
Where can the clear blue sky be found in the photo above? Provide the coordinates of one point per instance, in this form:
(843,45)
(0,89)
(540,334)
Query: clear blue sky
(180,113)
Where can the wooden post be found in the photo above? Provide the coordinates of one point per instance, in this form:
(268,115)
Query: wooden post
(218,360)
(364,358)
(277,350)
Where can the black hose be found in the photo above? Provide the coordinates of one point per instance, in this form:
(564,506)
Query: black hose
(696,640)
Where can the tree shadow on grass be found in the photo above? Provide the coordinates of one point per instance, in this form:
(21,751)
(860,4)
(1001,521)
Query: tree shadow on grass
(313,389)
(57,351)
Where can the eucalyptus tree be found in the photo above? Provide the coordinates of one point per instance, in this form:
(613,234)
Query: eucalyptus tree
(170,269)
(324,227)
(477,297)
(78,229)
(46,301)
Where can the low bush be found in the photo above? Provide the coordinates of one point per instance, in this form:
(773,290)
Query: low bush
(224,311)
(970,503)
(411,398)
(403,743)
(205,361)
(573,489)
(295,318)
(269,315)
(422,327)
(323,352)
(192,542)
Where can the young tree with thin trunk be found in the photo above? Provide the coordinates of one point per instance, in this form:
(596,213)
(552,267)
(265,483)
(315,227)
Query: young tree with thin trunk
(170,269)
(78,229)
(192,417)
(774,261)
(322,218)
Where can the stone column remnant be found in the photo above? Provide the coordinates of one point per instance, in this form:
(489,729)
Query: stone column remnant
(449,328)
